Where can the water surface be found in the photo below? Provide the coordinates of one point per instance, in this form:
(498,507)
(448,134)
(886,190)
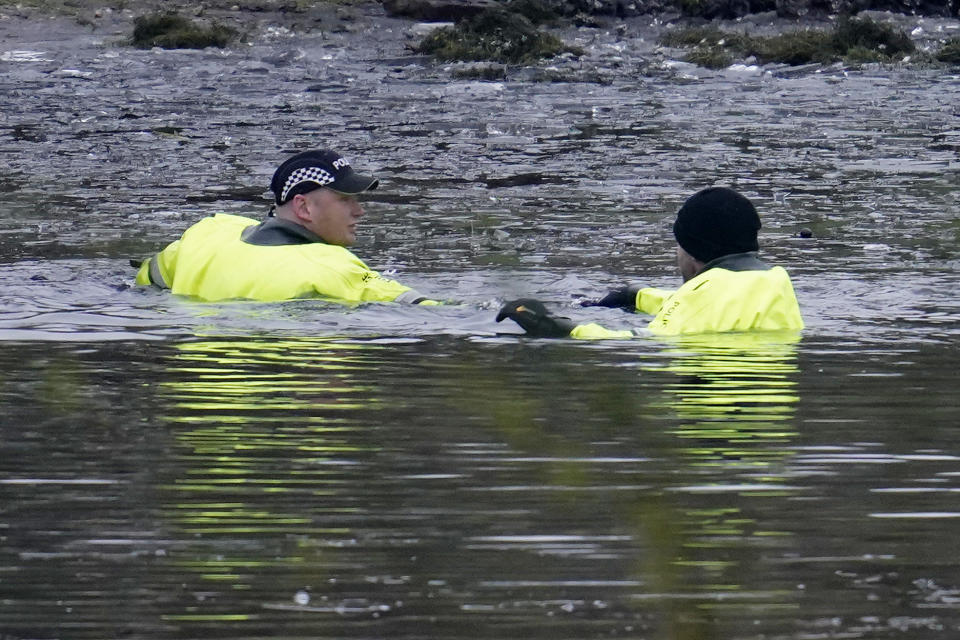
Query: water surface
(180,470)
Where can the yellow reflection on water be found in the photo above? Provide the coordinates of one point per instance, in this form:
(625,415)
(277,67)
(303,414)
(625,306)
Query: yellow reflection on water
(263,426)
(266,374)
(734,398)
(733,393)
(714,414)
(267,427)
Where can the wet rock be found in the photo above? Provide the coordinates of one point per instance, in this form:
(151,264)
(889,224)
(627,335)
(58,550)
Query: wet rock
(437,10)
(864,33)
(173,31)
(950,52)
(796,48)
(494,35)
(854,39)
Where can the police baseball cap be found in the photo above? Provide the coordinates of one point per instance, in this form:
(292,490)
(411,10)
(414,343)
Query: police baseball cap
(314,169)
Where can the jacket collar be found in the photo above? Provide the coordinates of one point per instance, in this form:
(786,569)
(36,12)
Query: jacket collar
(274,232)
(747,261)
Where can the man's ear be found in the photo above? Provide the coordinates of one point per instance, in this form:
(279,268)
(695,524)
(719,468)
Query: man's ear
(299,205)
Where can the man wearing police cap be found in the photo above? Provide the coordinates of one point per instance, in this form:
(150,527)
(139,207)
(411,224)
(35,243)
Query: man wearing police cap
(299,251)
(726,286)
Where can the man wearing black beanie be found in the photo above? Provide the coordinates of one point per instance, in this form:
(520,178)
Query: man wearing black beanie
(725,286)
(717,222)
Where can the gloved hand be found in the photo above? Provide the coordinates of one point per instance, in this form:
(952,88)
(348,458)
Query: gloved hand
(534,318)
(623,298)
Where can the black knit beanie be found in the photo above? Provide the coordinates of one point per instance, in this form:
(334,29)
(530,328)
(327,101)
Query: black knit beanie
(716,222)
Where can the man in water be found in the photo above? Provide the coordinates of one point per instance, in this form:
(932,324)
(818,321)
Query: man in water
(725,286)
(299,251)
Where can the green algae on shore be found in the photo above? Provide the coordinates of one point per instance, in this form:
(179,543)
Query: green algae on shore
(854,39)
(173,31)
(493,35)
(950,52)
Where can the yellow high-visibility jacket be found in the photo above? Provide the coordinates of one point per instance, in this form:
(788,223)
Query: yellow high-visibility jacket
(226,257)
(732,293)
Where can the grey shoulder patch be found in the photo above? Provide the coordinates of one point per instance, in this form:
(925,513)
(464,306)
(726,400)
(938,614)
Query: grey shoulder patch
(410,297)
(154,272)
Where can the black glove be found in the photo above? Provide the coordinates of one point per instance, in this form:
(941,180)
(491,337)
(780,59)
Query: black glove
(623,298)
(534,318)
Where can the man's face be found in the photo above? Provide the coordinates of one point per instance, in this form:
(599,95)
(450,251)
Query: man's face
(333,216)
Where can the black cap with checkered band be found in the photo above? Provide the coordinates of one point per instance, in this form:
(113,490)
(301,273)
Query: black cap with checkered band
(311,170)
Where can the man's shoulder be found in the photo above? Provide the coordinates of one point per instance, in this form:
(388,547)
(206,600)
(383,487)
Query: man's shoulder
(231,219)
(330,254)
(222,220)
(719,280)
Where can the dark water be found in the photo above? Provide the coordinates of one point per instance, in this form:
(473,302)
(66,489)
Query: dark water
(301,470)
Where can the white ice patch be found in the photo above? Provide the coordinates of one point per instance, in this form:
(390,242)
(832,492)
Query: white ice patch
(24,56)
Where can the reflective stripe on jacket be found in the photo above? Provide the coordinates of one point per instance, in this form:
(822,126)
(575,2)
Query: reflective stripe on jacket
(733,293)
(211,261)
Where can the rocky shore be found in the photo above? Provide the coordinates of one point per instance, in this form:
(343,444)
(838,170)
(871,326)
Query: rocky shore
(709,9)
(521,32)
(305,12)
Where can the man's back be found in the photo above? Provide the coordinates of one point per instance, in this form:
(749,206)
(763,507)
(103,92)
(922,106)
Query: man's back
(722,300)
